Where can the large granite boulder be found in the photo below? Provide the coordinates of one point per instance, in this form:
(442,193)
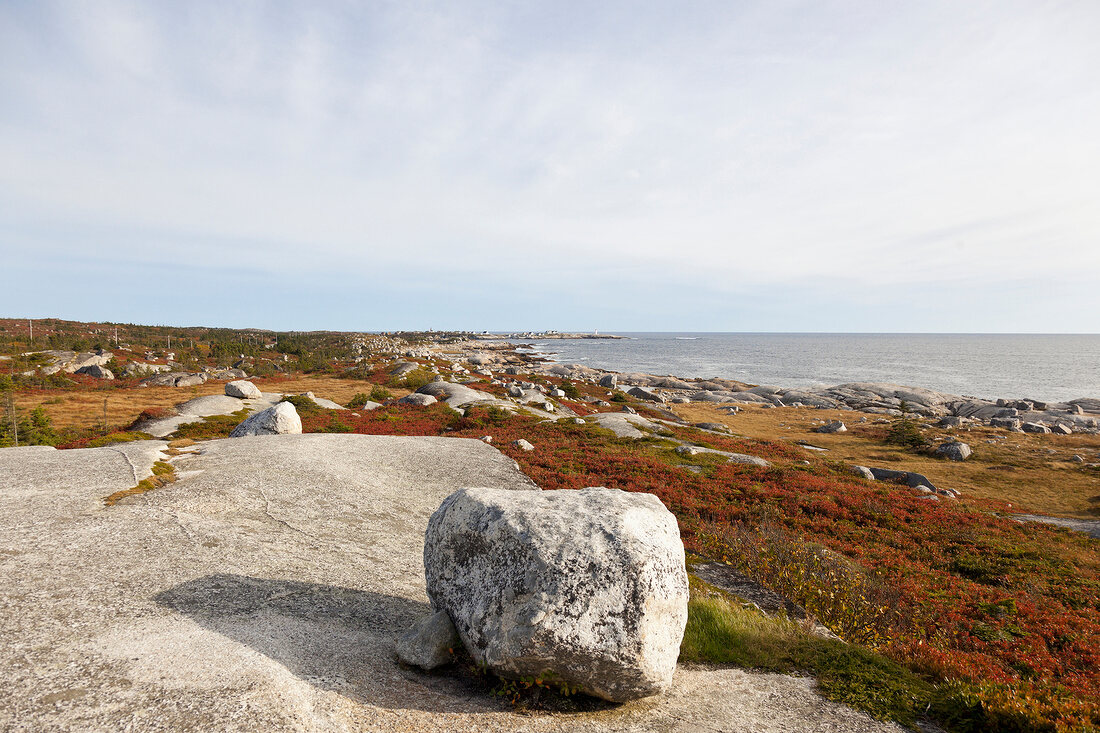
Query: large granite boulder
(96,370)
(243,389)
(587,585)
(280,419)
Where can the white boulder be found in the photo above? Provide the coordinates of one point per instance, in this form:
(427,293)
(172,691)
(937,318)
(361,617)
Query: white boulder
(278,420)
(587,585)
(243,389)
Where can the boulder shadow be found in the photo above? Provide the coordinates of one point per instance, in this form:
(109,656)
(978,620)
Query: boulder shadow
(337,639)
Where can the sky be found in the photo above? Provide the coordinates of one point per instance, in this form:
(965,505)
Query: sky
(881,166)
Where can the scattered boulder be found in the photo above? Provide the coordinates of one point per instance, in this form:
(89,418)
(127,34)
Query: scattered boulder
(834,426)
(243,389)
(1008,423)
(403,367)
(1034,427)
(429,644)
(97,371)
(863,472)
(588,585)
(523,444)
(420,400)
(1061,429)
(712,426)
(950,421)
(281,419)
(953,451)
(645,394)
(609,381)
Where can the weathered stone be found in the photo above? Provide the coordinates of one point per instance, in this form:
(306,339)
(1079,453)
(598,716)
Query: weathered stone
(609,381)
(863,472)
(421,400)
(281,419)
(953,451)
(587,585)
(1034,427)
(243,389)
(1061,429)
(645,394)
(403,367)
(835,426)
(429,644)
(97,371)
(1008,423)
(523,444)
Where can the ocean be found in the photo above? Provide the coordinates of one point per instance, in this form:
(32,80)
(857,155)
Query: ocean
(1048,367)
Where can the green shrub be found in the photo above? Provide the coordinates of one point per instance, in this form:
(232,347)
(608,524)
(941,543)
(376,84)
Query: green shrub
(379,393)
(905,433)
(570,390)
(304,405)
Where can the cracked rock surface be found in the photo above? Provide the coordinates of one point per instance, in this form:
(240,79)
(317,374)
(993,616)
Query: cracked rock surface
(265,590)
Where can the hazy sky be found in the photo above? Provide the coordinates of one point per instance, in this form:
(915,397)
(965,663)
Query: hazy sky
(740,166)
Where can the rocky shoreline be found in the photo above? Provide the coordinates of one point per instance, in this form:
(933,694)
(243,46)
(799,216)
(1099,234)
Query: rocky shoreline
(1034,416)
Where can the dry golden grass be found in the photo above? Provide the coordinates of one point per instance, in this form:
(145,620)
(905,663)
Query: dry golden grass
(1019,469)
(84,408)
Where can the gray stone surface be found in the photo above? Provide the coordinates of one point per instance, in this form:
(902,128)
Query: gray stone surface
(589,585)
(264,591)
(457,395)
(625,425)
(421,400)
(97,371)
(953,451)
(834,426)
(280,419)
(429,644)
(863,472)
(645,394)
(242,389)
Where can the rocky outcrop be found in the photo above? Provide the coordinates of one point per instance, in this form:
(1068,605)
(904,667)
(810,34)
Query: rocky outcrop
(242,389)
(282,419)
(96,371)
(174,379)
(420,400)
(587,585)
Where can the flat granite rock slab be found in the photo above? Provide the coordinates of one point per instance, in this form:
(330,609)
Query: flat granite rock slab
(264,590)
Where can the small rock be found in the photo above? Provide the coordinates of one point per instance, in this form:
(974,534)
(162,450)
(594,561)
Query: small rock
(522,444)
(1078,459)
(629,410)
(609,381)
(430,644)
(486,439)
(688,450)
(1034,427)
(1061,429)
(835,426)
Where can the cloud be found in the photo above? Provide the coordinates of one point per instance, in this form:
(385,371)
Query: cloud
(770,148)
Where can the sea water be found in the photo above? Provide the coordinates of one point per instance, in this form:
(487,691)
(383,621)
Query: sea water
(1048,367)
